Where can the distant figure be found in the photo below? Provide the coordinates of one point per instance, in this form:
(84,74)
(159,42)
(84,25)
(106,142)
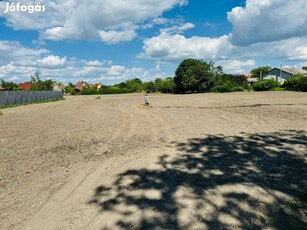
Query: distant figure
(146,100)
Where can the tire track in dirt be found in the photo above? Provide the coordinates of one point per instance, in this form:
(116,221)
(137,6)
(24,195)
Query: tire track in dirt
(66,200)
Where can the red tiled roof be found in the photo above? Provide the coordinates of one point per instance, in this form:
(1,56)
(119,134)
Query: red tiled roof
(80,85)
(25,86)
(247,75)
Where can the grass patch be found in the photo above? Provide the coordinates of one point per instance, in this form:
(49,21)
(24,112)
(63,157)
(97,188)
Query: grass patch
(30,103)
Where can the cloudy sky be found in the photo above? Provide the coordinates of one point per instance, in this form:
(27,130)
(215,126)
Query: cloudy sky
(110,41)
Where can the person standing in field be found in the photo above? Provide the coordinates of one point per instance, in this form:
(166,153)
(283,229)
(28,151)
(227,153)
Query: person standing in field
(146,100)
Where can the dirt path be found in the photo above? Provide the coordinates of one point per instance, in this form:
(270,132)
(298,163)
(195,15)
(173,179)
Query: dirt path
(191,162)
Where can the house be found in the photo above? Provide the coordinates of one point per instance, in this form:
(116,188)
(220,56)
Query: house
(250,78)
(59,87)
(97,86)
(283,74)
(25,86)
(1,88)
(80,86)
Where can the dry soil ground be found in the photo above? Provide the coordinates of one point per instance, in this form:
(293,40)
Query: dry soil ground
(203,161)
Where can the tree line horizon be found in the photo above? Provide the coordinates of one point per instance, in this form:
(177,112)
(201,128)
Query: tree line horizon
(191,76)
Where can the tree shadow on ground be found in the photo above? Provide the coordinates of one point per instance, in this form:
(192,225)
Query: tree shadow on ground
(215,182)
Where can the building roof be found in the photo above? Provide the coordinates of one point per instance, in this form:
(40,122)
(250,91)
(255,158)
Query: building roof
(295,71)
(25,86)
(80,85)
(1,88)
(247,75)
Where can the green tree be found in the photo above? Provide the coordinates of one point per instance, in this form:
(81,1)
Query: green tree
(256,72)
(297,83)
(9,86)
(149,86)
(168,85)
(193,75)
(304,68)
(266,85)
(135,84)
(39,85)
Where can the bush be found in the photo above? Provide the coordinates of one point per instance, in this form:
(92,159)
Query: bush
(89,91)
(296,83)
(72,92)
(115,90)
(227,87)
(265,85)
(278,89)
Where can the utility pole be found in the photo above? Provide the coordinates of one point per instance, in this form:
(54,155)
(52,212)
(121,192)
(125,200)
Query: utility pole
(280,74)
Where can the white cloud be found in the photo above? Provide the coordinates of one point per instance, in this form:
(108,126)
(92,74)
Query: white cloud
(173,48)
(237,66)
(113,36)
(111,21)
(19,69)
(94,63)
(13,50)
(51,61)
(268,20)
(116,70)
(178,28)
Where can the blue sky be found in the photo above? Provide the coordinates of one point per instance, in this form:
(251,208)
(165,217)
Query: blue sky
(110,41)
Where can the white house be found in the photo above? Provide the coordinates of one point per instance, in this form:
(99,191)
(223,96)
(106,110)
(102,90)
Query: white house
(283,74)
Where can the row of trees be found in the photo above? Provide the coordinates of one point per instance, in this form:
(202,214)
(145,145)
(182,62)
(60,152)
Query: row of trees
(166,85)
(36,84)
(192,75)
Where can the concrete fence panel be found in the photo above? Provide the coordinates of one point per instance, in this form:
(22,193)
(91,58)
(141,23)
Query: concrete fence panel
(21,97)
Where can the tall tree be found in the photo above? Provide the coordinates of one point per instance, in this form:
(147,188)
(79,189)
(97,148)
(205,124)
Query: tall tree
(256,72)
(39,85)
(135,84)
(193,75)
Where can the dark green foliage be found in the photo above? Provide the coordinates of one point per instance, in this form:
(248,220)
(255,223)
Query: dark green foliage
(194,75)
(265,85)
(72,91)
(135,85)
(39,85)
(105,90)
(149,87)
(305,68)
(257,71)
(9,86)
(166,85)
(296,83)
(70,88)
(89,91)
(114,90)
(226,87)
(231,83)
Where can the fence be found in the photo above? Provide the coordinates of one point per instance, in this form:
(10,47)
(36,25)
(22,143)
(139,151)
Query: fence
(20,97)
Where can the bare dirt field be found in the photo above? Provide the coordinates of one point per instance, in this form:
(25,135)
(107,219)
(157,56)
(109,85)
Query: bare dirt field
(203,161)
